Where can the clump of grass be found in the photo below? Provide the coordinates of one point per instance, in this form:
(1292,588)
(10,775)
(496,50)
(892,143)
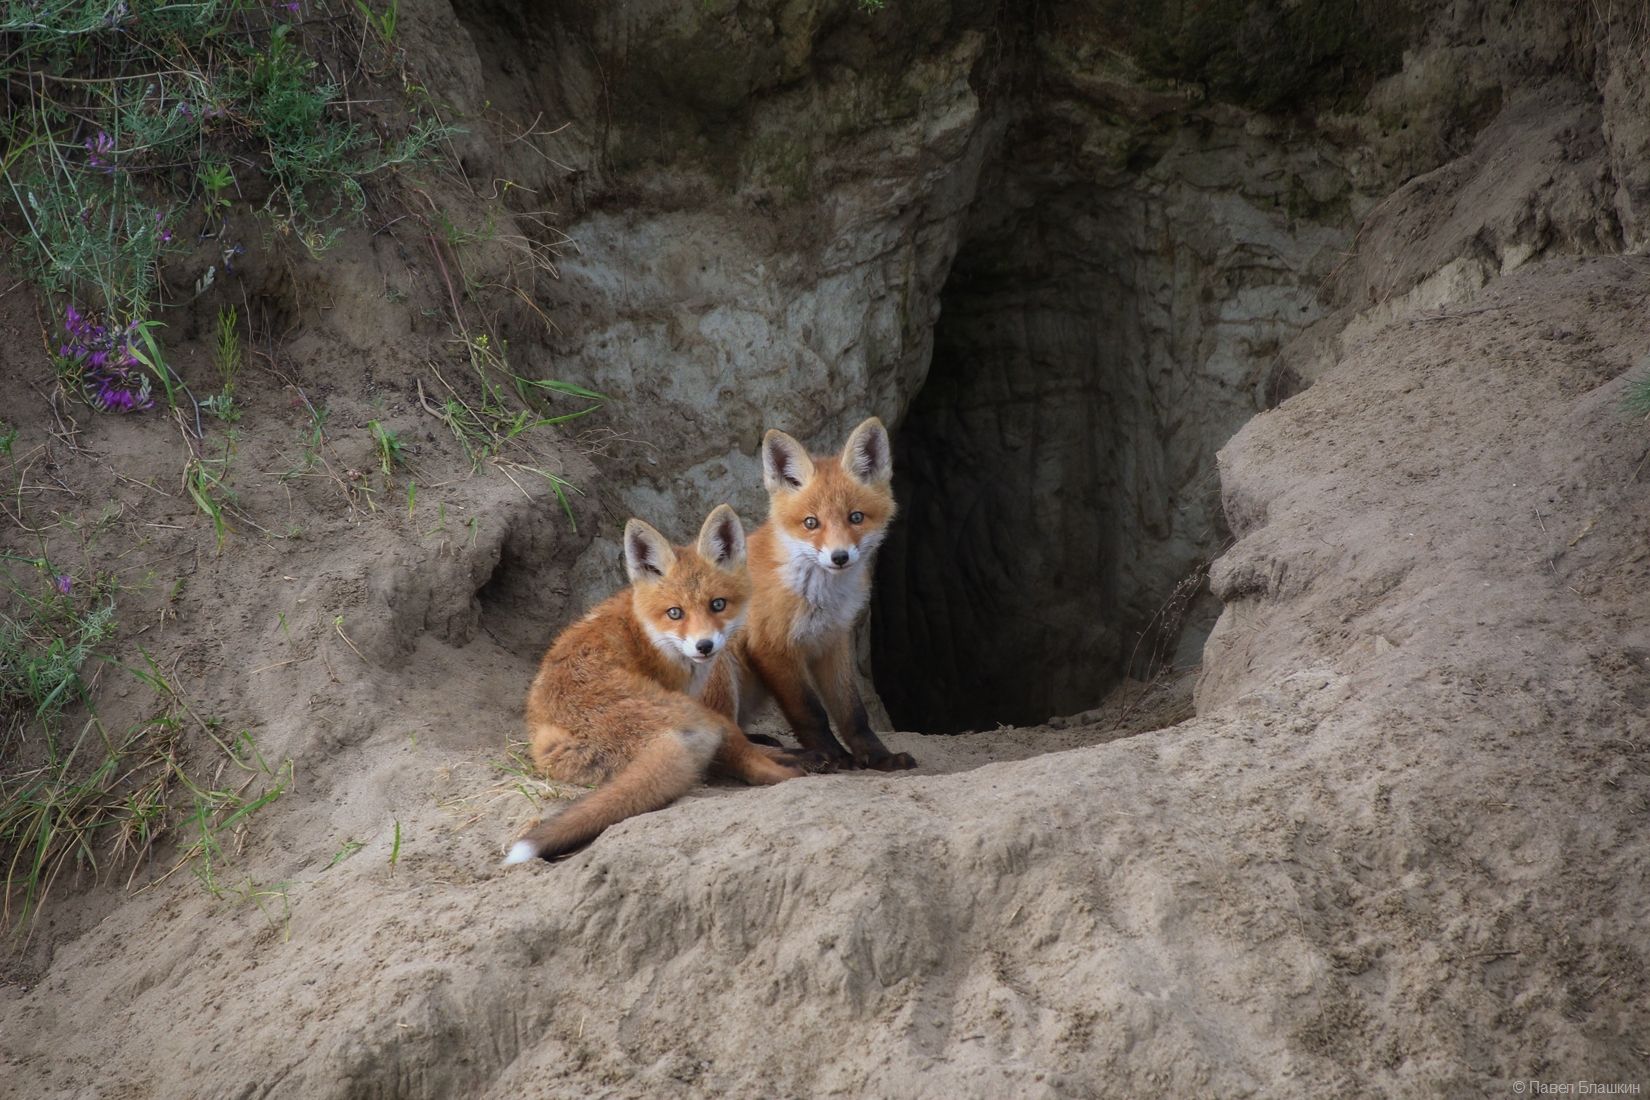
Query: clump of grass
(123,119)
(76,794)
(387,446)
(349,848)
(504,786)
(382,23)
(1637,401)
(48,632)
(216,812)
(315,435)
(492,426)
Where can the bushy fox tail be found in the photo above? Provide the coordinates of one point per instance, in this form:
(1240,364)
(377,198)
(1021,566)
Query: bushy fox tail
(666,768)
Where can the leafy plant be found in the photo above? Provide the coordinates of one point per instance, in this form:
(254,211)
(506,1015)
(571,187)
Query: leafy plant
(216,179)
(226,356)
(203,480)
(48,632)
(387,445)
(98,361)
(382,22)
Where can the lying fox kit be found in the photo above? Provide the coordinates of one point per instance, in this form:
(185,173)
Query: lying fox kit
(810,570)
(616,700)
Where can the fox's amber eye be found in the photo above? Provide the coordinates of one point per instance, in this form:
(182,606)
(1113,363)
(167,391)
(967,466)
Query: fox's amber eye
(675,613)
(719,605)
(856,518)
(811,523)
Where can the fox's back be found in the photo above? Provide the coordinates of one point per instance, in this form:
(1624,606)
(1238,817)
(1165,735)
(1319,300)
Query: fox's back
(596,659)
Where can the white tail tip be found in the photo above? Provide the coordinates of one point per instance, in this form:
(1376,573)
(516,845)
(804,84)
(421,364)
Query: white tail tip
(520,852)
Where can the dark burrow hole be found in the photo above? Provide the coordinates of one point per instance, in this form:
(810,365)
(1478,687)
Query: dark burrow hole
(1056,472)
(522,604)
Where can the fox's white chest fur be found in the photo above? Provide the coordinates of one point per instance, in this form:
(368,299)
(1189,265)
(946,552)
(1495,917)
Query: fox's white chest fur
(832,598)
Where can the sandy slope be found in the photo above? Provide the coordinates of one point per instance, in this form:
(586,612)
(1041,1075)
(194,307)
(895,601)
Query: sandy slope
(1400,849)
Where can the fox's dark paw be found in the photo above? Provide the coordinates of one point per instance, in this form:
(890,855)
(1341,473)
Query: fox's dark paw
(813,761)
(888,761)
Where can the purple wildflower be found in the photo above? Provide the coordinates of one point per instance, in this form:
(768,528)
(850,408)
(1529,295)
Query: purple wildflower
(100,151)
(102,361)
(112,397)
(63,583)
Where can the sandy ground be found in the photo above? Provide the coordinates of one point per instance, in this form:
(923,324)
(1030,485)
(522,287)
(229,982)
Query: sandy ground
(1400,848)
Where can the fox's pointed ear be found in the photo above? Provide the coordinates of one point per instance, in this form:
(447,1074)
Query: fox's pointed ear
(722,538)
(786,466)
(867,456)
(647,554)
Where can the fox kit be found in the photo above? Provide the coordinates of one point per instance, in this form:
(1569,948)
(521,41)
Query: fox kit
(810,570)
(616,700)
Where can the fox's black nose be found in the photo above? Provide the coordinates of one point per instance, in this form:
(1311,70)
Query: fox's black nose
(706,645)
(839,557)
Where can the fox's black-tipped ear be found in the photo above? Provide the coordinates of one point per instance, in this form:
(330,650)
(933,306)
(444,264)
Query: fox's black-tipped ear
(722,538)
(867,456)
(647,554)
(786,466)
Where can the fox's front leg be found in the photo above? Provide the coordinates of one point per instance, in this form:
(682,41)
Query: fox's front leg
(786,680)
(833,673)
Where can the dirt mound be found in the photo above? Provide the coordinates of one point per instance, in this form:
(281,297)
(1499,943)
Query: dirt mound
(1399,848)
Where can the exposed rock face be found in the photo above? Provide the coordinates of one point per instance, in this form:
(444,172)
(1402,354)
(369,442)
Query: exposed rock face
(766,201)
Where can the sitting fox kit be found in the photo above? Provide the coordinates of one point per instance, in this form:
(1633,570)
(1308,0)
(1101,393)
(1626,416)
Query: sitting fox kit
(810,567)
(616,700)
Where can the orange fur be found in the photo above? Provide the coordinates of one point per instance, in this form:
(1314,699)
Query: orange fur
(810,583)
(615,702)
